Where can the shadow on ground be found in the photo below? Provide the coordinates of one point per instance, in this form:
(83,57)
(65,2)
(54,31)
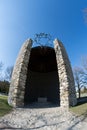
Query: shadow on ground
(81,100)
(37,105)
(83,117)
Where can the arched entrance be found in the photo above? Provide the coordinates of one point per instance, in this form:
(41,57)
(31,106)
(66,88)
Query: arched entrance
(42,83)
(37,67)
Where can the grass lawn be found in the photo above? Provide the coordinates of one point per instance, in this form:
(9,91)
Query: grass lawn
(81,108)
(4,107)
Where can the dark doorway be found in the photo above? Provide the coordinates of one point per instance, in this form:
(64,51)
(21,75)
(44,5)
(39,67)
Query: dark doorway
(42,76)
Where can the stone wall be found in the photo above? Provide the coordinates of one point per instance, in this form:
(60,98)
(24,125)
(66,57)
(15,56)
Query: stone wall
(19,76)
(17,86)
(67,86)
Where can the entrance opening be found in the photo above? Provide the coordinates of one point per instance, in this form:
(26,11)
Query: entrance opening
(42,83)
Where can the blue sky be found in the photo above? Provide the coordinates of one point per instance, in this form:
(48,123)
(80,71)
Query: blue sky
(22,19)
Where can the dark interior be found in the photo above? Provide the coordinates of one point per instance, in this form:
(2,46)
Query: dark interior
(42,59)
(42,77)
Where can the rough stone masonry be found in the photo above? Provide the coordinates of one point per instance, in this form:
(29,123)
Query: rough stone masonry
(66,81)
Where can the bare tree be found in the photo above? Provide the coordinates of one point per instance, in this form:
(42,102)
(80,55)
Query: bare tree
(1,67)
(84,62)
(8,73)
(79,78)
(80,75)
(84,65)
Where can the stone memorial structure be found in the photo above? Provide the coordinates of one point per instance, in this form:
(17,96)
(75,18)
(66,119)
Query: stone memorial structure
(42,73)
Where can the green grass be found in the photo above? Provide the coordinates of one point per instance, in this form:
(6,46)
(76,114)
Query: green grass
(80,109)
(4,107)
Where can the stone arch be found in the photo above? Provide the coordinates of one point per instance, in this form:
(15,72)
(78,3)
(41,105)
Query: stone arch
(19,76)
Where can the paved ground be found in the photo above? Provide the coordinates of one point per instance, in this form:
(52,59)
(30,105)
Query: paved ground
(39,118)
